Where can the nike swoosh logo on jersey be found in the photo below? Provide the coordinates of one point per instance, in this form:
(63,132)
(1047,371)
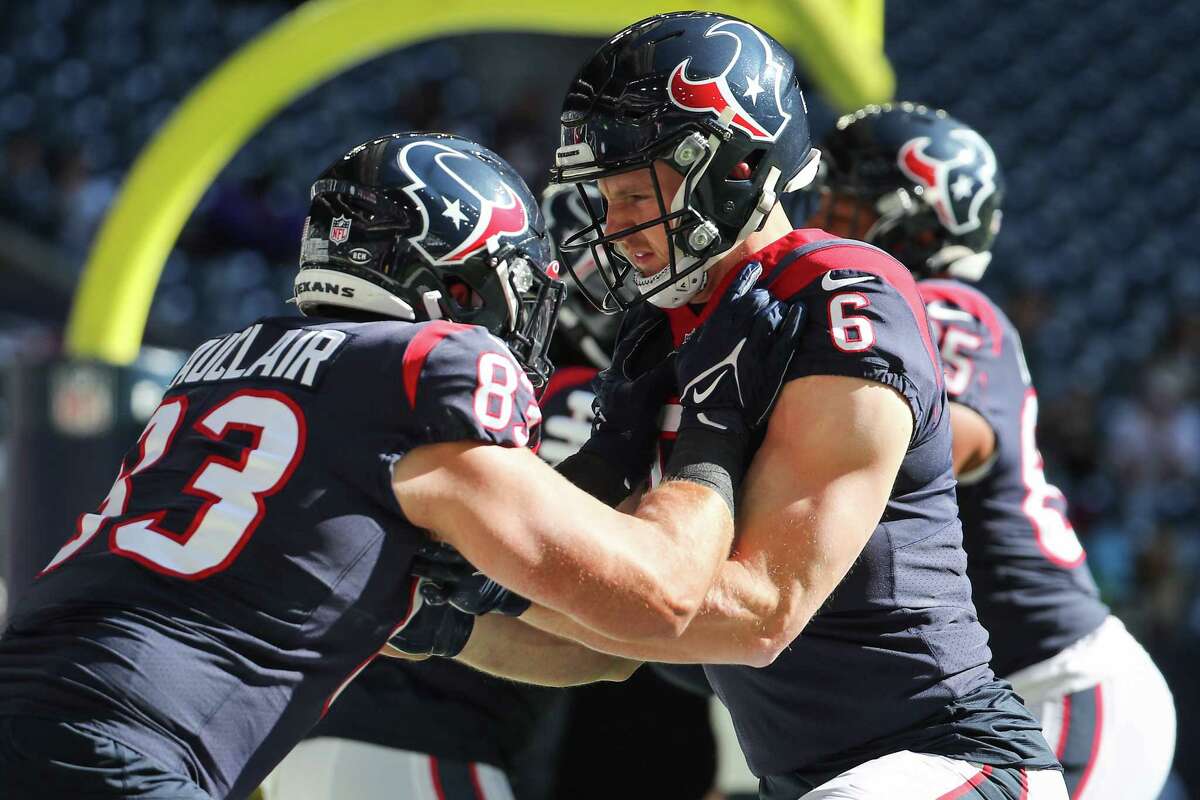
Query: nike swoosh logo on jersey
(703,418)
(700,396)
(830,283)
(728,361)
(946,314)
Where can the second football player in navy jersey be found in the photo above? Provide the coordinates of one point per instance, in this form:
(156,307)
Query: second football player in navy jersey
(928,189)
(493,737)
(229,586)
(254,552)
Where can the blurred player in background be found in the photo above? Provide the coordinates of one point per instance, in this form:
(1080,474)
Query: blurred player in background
(254,552)
(927,189)
(583,342)
(692,125)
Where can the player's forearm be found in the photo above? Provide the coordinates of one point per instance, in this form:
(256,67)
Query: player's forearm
(509,648)
(639,577)
(696,533)
(734,626)
(533,532)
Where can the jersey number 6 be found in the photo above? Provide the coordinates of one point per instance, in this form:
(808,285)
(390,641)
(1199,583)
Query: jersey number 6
(851,333)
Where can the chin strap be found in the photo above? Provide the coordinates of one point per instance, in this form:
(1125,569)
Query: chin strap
(687,287)
(693,283)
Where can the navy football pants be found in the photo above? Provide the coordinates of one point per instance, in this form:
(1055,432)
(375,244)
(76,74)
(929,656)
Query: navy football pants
(43,758)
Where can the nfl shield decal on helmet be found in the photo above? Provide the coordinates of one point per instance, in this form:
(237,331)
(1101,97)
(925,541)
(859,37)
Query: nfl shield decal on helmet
(454,212)
(958,181)
(740,89)
(339,231)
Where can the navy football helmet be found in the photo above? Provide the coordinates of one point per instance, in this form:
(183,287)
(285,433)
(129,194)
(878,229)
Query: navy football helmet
(424,226)
(589,331)
(933,182)
(715,99)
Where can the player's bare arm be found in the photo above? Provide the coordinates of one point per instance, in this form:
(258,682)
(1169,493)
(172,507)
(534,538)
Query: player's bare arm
(974,441)
(807,513)
(496,644)
(531,530)
(509,648)
(641,576)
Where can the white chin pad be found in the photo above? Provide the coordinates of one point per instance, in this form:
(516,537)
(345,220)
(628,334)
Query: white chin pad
(678,293)
(807,173)
(971,267)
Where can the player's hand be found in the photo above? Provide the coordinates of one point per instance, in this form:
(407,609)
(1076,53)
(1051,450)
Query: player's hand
(432,629)
(628,403)
(449,579)
(732,367)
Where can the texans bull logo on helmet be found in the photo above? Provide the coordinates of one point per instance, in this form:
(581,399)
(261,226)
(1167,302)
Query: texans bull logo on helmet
(741,80)
(958,181)
(452,210)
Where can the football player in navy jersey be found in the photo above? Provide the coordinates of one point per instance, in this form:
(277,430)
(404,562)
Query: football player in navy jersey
(840,633)
(254,552)
(926,188)
(494,738)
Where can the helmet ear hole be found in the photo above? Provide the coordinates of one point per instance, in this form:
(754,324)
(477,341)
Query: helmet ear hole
(744,169)
(461,293)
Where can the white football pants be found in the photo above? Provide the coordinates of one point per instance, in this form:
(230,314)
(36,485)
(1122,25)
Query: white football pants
(1107,712)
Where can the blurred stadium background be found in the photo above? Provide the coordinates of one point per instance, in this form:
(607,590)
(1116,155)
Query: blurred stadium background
(1093,109)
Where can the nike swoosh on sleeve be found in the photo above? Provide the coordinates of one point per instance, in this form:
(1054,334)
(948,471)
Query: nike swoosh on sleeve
(830,283)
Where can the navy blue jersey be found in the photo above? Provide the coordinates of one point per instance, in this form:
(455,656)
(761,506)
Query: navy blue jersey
(896,658)
(251,556)
(474,716)
(1032,585)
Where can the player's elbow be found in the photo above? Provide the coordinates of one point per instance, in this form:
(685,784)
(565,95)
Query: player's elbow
(662,609)
(778,633)
(605,669)
(664,615)
(770,649)
(621,670)
(684,606)
(760,651)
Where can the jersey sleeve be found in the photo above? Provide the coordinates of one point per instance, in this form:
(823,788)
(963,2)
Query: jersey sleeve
(865,320)
(462,383)
(970,338)
(404,385)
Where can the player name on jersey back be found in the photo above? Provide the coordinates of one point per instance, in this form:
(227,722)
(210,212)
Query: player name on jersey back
(297,355)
